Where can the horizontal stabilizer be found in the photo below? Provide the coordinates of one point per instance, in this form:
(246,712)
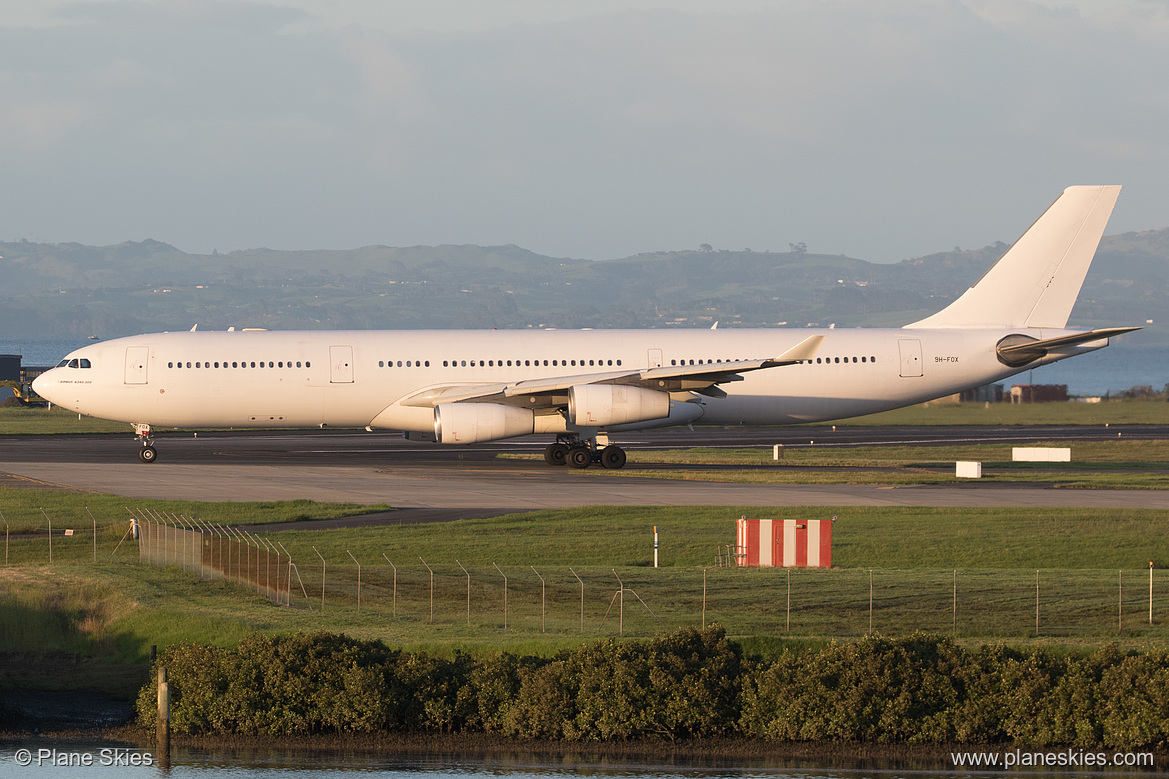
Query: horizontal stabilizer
(1018,350)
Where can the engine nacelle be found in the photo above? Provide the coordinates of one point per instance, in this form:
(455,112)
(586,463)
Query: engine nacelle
(469,423)
(602,405)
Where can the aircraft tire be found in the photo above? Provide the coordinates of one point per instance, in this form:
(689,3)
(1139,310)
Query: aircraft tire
(556,454)
(147,454)
(580,457)
(613,457)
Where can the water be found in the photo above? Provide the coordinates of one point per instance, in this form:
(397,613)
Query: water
(1113,369)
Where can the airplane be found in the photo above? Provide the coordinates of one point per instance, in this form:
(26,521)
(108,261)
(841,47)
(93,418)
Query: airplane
(585,386)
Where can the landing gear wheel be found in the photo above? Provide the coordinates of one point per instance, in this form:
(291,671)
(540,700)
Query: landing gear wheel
(147,454)
(556,454)
(613,457)
(580,457)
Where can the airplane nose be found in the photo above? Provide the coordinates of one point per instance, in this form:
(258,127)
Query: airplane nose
(42,385)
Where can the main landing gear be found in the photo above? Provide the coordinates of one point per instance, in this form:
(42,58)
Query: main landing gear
(577,453)
(146,454)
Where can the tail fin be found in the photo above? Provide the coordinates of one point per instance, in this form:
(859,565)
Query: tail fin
(1036,282)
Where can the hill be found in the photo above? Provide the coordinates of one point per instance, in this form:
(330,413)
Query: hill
(133,287)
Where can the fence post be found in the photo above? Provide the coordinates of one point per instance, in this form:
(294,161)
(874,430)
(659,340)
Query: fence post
(431,589)
(542,598)
(1120,600)
(1037,602)
(870,601)
(90,513)
(358,579)
(621,606)
(322,579)
(395,583)
(163,729)
(581,599)
(504,575)
(288,578)
(789,600)
(955,607)
(50,536)
(468,591)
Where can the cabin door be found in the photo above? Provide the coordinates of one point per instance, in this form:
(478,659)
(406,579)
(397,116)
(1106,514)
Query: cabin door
(910,357)
(137,358)
(655,358)
(341,364)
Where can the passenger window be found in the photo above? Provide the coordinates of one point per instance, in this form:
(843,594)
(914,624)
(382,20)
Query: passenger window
(618,362)
(428,363)
(170,365)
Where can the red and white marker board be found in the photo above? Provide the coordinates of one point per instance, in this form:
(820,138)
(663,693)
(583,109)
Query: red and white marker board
(786,543)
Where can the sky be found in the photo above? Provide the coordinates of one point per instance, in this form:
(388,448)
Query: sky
(594,129)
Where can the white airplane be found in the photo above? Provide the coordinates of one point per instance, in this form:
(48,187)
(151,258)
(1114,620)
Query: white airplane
(582,386)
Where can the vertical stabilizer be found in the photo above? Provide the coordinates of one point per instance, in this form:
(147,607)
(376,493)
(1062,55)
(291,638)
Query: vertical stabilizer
(1036,282)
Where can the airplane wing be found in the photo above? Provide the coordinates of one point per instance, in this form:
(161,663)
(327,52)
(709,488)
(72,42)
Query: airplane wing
(553,391)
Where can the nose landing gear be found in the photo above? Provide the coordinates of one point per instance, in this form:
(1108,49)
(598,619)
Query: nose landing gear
(147,453)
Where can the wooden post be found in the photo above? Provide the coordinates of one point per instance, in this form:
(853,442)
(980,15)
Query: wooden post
(163,714)
(582,600)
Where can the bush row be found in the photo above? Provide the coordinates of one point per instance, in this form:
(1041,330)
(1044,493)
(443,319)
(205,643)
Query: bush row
(683,685)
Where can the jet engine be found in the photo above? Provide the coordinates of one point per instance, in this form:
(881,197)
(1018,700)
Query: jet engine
(602,405)
(469,423)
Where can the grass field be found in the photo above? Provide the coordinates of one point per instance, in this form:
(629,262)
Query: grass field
(969,572)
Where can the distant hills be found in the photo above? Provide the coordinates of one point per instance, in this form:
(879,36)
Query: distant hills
(134,287)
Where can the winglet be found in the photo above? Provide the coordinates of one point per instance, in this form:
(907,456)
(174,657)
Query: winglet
(1036,282)
(804,350)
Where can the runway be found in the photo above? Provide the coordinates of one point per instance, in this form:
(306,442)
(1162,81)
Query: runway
(435,482)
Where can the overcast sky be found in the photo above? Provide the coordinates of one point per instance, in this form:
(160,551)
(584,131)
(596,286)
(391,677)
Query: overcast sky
(577,128)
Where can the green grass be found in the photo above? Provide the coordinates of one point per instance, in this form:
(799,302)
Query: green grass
(55,421)
(29,511)
(1112,412)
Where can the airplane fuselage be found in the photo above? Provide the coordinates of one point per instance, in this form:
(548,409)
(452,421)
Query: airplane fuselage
(254,379)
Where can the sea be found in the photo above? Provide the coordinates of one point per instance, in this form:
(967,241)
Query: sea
(1107,371)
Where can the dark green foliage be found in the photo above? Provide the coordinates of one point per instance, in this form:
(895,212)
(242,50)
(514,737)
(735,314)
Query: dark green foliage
(682,685)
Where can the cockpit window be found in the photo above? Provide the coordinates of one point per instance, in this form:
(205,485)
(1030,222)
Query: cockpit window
(84,362)
(62,364)
(73,363)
